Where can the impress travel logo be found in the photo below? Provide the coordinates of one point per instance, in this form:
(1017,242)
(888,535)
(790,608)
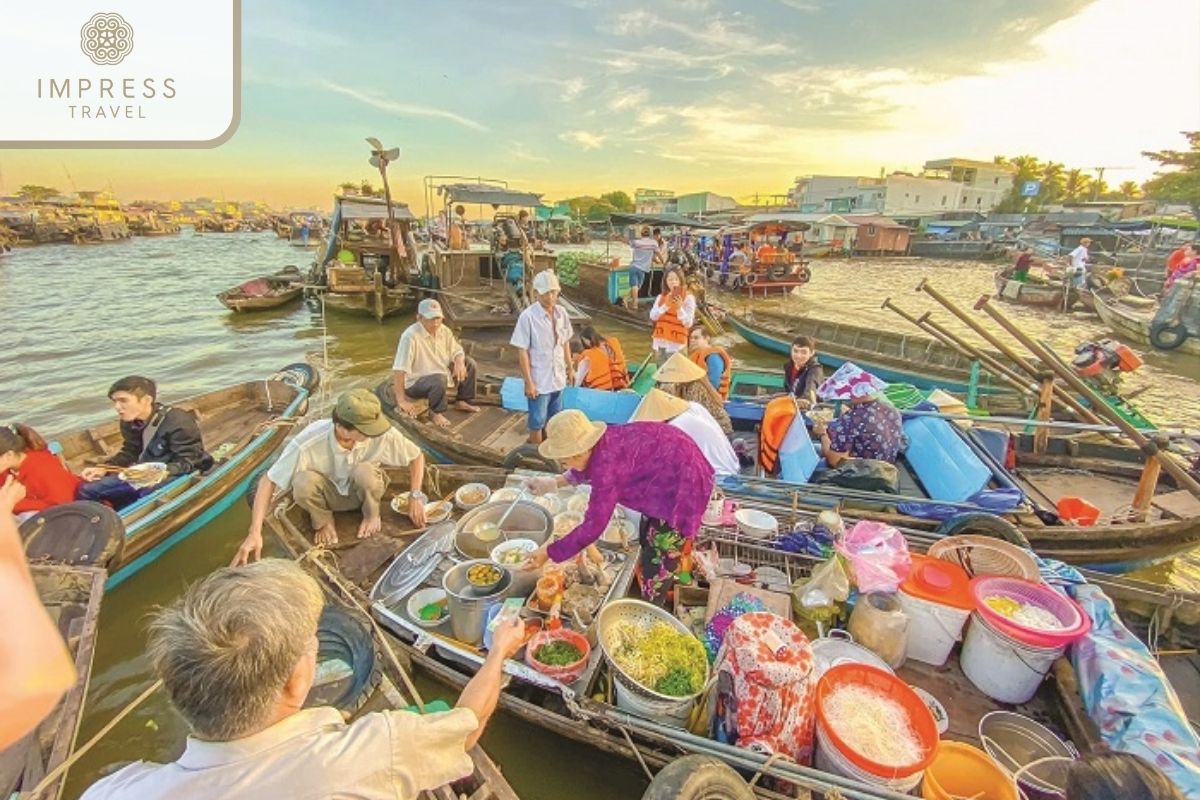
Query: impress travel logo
(73,76)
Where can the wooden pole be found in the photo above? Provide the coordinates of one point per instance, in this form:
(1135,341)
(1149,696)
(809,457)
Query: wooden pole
(1147,482)
(1045,402)
(1076,407)
(1047,356)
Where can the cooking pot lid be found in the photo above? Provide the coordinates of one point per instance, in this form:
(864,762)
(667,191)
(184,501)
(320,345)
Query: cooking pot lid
(414,564)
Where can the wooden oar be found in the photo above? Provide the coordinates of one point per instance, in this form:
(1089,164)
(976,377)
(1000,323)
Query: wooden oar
(645,361)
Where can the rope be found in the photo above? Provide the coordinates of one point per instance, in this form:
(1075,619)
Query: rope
(57,772)
(636,753)
(766,766)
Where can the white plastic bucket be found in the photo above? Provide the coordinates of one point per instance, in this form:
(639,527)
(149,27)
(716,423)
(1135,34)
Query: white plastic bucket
(933,628)
(1002,668)
(829,759)
(669,713)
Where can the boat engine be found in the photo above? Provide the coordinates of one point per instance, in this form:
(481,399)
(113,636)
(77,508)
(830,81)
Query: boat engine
(1103,363)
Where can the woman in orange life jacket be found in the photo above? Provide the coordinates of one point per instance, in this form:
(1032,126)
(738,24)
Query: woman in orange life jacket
(601,363)
(673,313)
(713,360)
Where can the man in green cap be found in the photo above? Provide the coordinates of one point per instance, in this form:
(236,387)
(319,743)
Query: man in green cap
(337,464)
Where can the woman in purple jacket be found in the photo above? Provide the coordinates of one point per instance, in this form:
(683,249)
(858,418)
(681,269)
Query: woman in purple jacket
(648,467)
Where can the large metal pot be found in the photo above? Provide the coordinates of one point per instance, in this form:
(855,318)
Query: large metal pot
(469,606)
(528,520)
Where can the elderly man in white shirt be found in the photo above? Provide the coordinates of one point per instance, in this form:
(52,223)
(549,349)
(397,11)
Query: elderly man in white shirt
(543,340)
(694,420)
(428,360)
(237,655)
(337,464)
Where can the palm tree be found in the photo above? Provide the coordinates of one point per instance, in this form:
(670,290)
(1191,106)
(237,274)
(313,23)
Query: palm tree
(1052,182)
(1129,190)
(1076,186)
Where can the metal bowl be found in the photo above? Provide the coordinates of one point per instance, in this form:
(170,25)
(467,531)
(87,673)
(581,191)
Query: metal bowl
(527,521)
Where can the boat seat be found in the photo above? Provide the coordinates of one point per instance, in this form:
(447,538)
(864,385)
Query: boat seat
(600,405)
(944,464)
(798,456)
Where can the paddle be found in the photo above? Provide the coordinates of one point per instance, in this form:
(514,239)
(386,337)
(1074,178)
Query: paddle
(638,374)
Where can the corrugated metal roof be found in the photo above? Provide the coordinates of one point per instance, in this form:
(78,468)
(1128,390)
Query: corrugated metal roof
(371,208)
(878,220)
(491,195)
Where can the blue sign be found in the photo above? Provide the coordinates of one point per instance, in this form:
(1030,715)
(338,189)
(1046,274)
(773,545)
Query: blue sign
(1031,188)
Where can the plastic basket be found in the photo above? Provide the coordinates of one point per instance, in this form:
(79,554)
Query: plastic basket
(1075,623)
(567,673)
(887,684)
(1077,511)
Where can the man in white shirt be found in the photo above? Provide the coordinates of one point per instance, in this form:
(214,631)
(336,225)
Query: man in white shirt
(645,252)
(543,340)
(428,360)
(237,655)
(337,465)
(694,420)
(1079,263)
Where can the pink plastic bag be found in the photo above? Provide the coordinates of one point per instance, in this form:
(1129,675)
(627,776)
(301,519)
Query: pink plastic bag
(877,554)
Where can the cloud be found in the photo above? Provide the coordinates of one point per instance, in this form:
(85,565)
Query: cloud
(520,152)
(630,98)
(584,139)
(572,88)
(649,117)
(717,32)
(802,5)
(401,109)
(679,64)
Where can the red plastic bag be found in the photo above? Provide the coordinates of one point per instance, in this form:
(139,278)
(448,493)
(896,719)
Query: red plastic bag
(877,555)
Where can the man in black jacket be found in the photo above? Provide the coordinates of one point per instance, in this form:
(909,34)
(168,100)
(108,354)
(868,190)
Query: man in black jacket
(151,432)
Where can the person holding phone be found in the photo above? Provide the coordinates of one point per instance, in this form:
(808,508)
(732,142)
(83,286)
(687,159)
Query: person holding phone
(673,313)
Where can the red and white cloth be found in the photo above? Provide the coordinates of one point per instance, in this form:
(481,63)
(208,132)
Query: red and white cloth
(766,687)
(850,382)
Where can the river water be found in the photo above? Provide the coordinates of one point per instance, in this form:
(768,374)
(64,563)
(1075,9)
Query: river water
(78,317)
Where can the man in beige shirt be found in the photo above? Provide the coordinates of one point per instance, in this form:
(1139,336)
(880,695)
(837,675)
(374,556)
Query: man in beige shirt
(238,655)
(428,359)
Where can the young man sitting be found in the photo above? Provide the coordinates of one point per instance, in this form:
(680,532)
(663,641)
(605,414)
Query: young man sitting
(428,359)
(151,432)
(337,465)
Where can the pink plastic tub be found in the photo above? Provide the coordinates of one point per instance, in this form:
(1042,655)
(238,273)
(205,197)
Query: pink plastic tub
(1075,623)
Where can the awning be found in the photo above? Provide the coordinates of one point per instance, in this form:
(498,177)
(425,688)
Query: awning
(371,208)
(489,195)
(661,220)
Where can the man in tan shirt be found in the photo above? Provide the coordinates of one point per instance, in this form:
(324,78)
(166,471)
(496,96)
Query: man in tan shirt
(238,655)
(427,360)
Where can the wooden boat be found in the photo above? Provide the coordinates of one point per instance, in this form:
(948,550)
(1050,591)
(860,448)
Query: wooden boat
(72,597)
(265,292)
(964,249)
(1036,295)
(357,255)
(584,710)
(243,426)
(892,356)
(1134,324)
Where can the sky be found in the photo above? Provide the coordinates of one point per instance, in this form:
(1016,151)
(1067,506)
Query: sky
(586,96)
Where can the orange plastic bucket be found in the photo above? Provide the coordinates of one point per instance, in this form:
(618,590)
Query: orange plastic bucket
(959,770)
(1077,511)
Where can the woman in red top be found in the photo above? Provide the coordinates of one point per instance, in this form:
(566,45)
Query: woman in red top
(46,478)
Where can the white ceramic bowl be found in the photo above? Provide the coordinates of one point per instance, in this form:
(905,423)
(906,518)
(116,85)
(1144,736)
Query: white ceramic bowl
(549,502)
(566,522)
(756,524)
(522,546)
(438,512)
(616,526)
(482,492)
(578,502)
(505,495)
(424,597)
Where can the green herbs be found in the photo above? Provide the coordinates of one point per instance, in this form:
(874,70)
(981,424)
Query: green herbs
(558,654)
(676,683)
(431,611)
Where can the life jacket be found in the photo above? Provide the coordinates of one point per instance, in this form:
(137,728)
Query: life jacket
(669,328)
(700,358)
(777,418)
(606,366)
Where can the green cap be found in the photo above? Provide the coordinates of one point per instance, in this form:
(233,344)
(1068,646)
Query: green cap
(361,409)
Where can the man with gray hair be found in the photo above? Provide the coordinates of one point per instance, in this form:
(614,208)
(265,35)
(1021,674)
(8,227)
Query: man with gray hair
(238,655)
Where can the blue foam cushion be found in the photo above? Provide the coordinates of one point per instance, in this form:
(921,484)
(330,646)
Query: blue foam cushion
(798,456)
(512,395)
(943,462)
(601,406)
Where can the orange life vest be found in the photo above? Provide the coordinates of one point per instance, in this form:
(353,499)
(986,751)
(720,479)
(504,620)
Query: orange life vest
(668,327)
(700,358)
(777,418)
(606,366)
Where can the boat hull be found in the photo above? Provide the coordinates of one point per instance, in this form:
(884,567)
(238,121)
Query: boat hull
(1135,326)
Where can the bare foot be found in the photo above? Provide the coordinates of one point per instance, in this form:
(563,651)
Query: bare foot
(463,405)
(439,420)
(369,527)
(326,535)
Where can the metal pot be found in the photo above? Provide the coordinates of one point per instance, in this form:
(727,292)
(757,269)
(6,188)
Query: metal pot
(469,606)
(528,520)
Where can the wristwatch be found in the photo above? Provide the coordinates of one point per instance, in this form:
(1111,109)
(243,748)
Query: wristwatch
(418,496)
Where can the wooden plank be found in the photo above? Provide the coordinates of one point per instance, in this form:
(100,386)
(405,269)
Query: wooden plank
(1182,504)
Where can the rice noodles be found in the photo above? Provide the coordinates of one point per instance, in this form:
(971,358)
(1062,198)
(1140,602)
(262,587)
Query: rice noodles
(1027,614)
(873,725)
